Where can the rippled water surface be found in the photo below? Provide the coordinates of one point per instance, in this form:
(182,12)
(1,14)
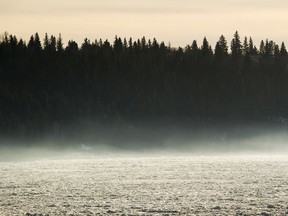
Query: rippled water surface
(179,185)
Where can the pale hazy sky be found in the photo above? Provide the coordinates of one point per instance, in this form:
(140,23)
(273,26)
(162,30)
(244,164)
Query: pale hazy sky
(174,21)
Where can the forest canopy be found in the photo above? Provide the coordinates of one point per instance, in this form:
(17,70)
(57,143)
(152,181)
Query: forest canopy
(46,86)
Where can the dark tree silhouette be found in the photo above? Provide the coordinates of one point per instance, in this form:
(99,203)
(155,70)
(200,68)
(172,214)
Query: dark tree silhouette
(52,88)
(221,48)
(236,46)
(283,51)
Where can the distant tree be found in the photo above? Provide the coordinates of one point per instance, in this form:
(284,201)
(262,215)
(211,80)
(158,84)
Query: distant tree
(53,43)
(4,37)
(46,42)
(13,42)
(100,43)
(130,43)
(149,43)
(155,43)
(276,51)
(118,44)
(194,47)
(236,47)
(37,42)
(86,44)
(193,52)
(205,56)
(252,49)
(221,48)
(268,48)
(245,46)
(34,44)
(262,48)
(218,51)
(49,43)
(30,43)
(223,45)
(125,44)
(143,42)
(206,50)
(162,46)
(72,50)
(72,46)
(106,44)
(283,51)
(59,45)
(22,44)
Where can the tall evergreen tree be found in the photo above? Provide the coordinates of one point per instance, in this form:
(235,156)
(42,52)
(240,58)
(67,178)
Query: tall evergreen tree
(46,42)
(118,44)
(268,48)
(223,45)
(245,46)
(37,42)
(221,48)
(283,51)
(252,49)
(59,45)
(155,43)
(206,50)
(194,49)
(236,46)
(52,43)
(276,51)
(34,44)
(125,44)
(143,42)
(262,48)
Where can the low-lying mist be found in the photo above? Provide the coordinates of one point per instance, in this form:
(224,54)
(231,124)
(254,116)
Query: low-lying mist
(149,140)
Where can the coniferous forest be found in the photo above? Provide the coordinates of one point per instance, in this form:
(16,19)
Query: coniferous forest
(46,87)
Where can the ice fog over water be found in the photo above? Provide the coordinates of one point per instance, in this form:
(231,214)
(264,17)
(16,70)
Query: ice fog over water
(148,172)
(146,185)
(148,142)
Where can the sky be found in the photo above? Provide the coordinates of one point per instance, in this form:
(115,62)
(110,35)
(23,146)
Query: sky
(177,22)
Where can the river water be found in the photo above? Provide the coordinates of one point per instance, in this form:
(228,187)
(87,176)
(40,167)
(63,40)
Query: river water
(146,185)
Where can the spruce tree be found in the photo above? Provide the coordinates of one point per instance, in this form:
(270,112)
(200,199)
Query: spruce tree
(205,48)
(262,48)
(221,48)
(283,51)
(59,45)
(252,49)
(245,46)
(236,47)
(194,49)
(46,42)
(268,48)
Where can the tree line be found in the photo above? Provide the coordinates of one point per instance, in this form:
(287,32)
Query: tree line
(45,86)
